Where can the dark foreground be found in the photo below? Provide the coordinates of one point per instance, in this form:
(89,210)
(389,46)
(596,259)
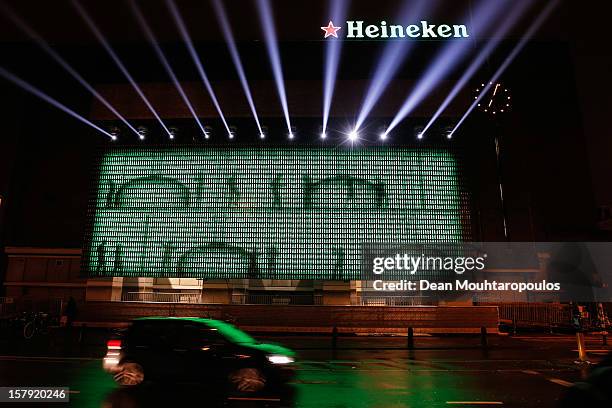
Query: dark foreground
(521,371)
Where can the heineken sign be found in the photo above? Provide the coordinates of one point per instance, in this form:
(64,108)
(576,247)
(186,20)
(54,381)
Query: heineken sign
(358,29)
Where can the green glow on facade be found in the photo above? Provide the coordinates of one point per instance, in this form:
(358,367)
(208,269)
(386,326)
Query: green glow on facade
(268,213)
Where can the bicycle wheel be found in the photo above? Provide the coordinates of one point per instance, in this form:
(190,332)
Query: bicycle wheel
(28,330)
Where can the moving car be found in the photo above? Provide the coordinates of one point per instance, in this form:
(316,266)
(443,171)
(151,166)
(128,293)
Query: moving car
(189,349)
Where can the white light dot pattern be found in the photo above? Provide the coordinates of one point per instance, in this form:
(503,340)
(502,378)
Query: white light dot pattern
(269,213)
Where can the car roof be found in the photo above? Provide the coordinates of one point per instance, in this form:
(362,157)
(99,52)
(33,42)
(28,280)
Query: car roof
(229,331)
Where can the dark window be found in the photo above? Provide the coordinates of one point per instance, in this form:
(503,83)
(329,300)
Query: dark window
(195,336)
(154,335)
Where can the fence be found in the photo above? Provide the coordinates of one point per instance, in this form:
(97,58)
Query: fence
(7,306)
(316,319)
(161,297)
(536,314)
(276,299)
(389,301)
(53,306)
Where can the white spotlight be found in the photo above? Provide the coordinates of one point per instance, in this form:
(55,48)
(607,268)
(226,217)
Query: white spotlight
(448,130)
(353,135)
(322,132)
(173,132)
(232,132)
(207,131)
(292,132)
(419,132)
(114,132)
(142,132)
(383,132)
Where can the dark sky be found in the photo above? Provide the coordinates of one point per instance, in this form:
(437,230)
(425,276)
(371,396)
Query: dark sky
(296,20)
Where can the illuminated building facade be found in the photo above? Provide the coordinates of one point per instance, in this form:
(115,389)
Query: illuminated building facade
(295,217)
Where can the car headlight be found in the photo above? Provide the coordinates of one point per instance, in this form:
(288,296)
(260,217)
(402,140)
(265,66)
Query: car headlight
(279,359)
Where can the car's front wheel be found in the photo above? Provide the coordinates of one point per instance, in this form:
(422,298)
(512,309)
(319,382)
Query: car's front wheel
(247,380)
(130,374)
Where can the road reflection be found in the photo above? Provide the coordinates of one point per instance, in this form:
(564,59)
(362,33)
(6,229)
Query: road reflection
(156,395)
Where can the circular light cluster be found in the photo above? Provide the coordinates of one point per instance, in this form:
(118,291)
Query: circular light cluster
(496,100)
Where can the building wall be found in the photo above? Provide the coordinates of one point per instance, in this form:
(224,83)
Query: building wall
(43,278)
(40,277)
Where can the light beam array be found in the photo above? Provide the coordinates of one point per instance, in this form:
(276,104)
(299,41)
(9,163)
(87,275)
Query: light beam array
(162,58)
(40,94)
(178,19)
(30,32)
(394,54)
(447,59)
(333,49)
(111,52)
(267,24)
(508,22)
(233,50)
(535,25)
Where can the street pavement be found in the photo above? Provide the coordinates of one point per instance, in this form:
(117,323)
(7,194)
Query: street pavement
(521,371)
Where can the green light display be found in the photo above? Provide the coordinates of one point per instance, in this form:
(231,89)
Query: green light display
(268,213)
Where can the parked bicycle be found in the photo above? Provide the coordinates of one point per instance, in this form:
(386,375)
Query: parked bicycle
(31,324)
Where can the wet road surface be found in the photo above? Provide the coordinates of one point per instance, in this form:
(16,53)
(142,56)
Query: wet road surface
(524,371)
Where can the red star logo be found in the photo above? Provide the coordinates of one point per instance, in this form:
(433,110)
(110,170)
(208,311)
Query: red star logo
(331,30)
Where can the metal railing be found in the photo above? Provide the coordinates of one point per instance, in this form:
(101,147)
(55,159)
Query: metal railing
(389,301)
(52,306)
(161,297)
(546,314)
(7,305)
(276,299)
